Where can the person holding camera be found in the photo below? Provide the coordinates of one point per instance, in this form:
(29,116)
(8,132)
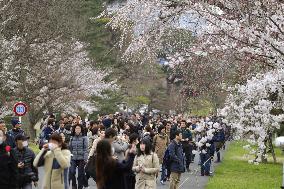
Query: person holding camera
(28,174)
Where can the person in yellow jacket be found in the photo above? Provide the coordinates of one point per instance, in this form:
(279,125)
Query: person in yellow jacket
(55,157)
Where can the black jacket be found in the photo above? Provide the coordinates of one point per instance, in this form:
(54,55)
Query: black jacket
(117,180)
(15,132)
(10,141)
(26,156)
(8,169)
(129,178)
(177,157)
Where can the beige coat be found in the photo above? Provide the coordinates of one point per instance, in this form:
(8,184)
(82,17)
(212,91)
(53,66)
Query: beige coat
(54,174)
(150,163)
(160,143)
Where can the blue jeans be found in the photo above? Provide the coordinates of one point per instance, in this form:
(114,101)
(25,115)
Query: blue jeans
(205,163)
(166,172)
(81,173)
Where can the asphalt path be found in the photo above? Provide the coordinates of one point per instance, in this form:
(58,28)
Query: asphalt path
(192,179)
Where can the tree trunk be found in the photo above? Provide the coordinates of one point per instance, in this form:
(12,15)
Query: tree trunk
(263,158)
(34,116)
(271,147)
(28,126)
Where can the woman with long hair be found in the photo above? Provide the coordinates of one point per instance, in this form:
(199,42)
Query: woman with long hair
(55,157)
(109,171)
(146,165)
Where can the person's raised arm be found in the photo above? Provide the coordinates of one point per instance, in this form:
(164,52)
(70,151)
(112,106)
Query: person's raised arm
(63,157)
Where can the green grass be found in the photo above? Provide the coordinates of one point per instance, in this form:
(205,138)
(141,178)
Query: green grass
(34,147)
(235,173)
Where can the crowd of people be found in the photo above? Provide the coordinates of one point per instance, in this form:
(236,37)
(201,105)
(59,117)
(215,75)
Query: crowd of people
(118,151)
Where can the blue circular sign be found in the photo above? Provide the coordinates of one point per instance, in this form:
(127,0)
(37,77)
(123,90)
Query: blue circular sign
(20,109)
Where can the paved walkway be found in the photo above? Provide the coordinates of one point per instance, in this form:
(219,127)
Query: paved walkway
(191,180)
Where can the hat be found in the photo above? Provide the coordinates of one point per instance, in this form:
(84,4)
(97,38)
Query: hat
(21,137)
(14,122)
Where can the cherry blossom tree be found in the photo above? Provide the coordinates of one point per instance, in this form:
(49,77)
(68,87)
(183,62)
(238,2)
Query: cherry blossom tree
(246,35)
(59,76)
(242,38)
(255,111)
(42,61)
(253,29)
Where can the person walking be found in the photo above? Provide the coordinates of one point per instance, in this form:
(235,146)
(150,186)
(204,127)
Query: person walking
(146,166)
(120,146)
(16,130)
(9,140)
(79,149)
(129,176)
(28,174)
(186,142)
(177,160)
(94,145)
(109,171)
(55,157)
(168,128)
(160,142)
(93,133)
(219,141)
(63,130)
(46,132)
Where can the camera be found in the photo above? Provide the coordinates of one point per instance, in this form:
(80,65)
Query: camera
(33,177)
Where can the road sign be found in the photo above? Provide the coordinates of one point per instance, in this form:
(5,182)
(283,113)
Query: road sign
(20,109)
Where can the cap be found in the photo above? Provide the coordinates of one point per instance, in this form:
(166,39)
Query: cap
(15,122)
(21,137)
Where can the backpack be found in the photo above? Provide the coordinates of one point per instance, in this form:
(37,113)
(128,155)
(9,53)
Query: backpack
(167,158)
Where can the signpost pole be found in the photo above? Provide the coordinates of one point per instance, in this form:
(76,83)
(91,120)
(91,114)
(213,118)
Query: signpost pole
(20,117)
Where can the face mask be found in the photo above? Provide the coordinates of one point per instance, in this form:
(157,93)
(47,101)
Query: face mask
(1,140)
(51,146)
(25,144)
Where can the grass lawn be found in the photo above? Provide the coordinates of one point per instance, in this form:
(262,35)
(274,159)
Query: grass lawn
(236,173)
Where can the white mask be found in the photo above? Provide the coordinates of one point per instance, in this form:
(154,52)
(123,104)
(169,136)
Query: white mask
(1,140)
(51,146)
(25,143)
